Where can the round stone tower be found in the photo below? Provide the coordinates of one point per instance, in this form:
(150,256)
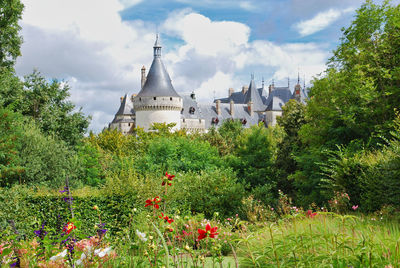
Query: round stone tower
(157,101)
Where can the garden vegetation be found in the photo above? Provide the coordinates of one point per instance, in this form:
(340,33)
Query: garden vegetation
(319,189)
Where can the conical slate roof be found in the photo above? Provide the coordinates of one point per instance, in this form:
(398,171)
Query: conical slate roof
(158,82)
(253,95)
(125,108)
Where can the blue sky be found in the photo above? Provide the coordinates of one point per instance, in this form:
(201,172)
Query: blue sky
(99,46)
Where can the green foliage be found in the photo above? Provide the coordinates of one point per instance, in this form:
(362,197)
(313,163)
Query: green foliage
(253,157)
(10,41)
(292,119)
(178,154)
(46,160)
(10,133)
(207,192)
(89,163)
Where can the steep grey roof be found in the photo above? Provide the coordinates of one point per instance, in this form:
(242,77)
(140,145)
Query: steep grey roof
(158,82)
(254,96)
(189,102)
(126,107)
(278,97)
(237,97)
(208,112)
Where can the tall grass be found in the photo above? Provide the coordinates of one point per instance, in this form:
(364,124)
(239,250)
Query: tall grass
(327,240)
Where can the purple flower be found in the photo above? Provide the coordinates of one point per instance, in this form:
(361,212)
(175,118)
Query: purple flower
(41,233)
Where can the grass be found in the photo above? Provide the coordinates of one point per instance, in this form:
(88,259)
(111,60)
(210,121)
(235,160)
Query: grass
(327,240)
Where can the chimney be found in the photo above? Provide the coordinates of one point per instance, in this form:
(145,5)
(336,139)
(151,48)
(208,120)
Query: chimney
(250,108)
(122,99)
(232,104)
(143,78)
(230,92)
(297,92)
(218,107)
(244,89)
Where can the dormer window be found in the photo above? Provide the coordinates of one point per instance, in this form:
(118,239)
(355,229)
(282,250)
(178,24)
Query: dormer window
(191,110)
(244,121)
(215,120)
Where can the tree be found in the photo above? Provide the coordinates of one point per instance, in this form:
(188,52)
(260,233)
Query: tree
(10,40)
(356,98)
(291,121)
(47,103)
(253,157)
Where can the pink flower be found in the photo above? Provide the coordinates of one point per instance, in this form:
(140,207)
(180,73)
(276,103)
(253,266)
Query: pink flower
(354,207)
(310,214)
(229,219)
(272,208)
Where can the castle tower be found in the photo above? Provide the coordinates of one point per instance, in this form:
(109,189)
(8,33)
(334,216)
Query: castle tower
(157,101)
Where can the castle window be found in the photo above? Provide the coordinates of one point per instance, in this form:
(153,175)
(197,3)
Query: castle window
(170,98)
(191,110)
(140,99)
(215,120)
(155,98)
(244,121)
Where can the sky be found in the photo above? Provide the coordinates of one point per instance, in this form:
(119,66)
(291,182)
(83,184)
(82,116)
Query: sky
(99,46)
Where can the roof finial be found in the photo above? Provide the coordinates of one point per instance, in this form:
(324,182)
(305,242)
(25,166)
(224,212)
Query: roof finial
(298,77)
(304,81)
(273,83)
(157,47)
(262,82)
(288,82)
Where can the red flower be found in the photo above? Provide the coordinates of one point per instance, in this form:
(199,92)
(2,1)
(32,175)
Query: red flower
(211,232)
(168,178)
(186,233)
(310,214)
(153,202)
(169,220)
(69,227)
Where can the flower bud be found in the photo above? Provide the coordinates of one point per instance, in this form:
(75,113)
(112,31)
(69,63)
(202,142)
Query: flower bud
(95,207)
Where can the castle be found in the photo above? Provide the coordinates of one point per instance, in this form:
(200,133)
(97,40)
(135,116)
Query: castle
(158,102)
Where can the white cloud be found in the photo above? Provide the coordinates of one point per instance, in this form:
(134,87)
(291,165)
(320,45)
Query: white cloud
(319,22)
(205,36)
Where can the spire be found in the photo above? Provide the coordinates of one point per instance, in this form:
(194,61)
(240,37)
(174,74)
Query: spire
(157,47)
(304,87)
(288,82)
(158,83)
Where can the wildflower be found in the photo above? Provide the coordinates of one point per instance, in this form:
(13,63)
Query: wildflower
(102,252)
(237,215)
(79,262)
(168,178)
(186,233)
(69,227)
(41,233)
(310,214)
(153,202)
(169,229)
(187,248)
(272,209)
(134,209)
(354,207)
(95,207)
(211,232)
(142,236)
(169,220)
(59,256)
(228,219)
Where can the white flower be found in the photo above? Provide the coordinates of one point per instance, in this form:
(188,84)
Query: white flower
(59,256)
(142,236)
(102,252)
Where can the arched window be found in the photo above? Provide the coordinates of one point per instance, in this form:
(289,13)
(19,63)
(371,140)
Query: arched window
(191,110)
